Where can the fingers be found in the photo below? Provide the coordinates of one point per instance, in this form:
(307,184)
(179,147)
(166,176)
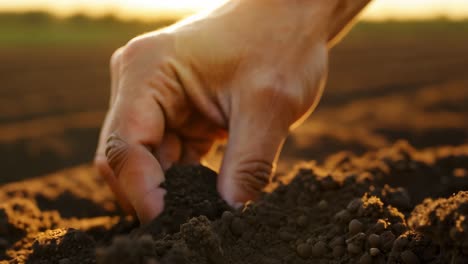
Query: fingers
(100,159)
(256,135)
(138,127)
(140,176)
(133,128)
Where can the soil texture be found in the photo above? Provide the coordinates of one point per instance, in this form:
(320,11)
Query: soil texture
(396,205)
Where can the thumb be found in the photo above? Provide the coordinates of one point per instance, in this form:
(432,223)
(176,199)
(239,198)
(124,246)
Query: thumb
(256,135)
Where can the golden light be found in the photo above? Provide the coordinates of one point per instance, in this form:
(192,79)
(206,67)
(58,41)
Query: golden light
(151,9)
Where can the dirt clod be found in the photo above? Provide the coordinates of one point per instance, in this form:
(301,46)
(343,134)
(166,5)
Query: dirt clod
(355,226)
(354,205)
(340,221)
(374,240)
(319,249)
(380,226)
(374,251)
(323,205)
(302,221)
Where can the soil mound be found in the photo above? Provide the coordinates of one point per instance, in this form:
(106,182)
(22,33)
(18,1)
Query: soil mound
(396,205)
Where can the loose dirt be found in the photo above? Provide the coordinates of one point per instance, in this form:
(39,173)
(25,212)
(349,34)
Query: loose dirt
(396,205)
(389,204)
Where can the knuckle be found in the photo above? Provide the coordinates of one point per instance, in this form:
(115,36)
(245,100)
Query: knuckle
(252,176)
(134,46)
(116,58)
(135,50)
(143,47)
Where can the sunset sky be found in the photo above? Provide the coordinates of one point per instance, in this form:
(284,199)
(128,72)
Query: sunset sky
(379,9)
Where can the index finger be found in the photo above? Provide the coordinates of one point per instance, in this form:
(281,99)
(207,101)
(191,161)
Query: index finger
(137,127)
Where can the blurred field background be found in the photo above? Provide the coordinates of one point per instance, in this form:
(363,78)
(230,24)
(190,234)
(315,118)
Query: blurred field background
(389,80)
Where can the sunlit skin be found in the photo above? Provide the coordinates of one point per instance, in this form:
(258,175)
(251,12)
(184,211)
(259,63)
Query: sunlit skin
(237,72)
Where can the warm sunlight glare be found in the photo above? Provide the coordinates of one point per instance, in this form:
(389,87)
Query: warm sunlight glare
(379,9)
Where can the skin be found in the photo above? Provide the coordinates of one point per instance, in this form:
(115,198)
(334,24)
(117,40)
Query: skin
(249,71)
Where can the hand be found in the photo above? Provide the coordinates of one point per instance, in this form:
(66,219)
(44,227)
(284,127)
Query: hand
(249,71)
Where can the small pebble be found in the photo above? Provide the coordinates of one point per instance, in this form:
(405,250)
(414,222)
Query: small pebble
(374,251)
(319,249)
(323,205)
(380,226)
(237,226)
(300,241)
(342,216)
(365,259)
(354,249)
(227,217)
(374,240)
(304,250)
(354,205)
(359,237)
(338,251)
(355,226)
(302,221)
(337,241)
(409,257)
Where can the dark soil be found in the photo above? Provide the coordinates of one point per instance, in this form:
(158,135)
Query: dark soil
(351,209)
(362,198)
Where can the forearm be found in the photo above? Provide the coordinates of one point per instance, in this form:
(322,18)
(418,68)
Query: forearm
(333,16)
(343,16)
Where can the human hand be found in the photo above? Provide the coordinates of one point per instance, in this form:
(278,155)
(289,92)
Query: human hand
(249,71)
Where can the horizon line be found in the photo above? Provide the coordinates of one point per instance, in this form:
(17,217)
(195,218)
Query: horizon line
(149,16)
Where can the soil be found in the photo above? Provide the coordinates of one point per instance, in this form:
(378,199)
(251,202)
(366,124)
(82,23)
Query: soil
(361,197)
(350,209)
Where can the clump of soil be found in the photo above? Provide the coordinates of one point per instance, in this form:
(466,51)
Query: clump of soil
(351,209)
(191,192)
(445,220)
(45,237)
